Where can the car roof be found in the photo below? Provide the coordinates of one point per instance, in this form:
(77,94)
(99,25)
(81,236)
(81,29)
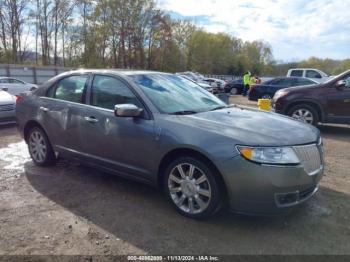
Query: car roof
(115,71)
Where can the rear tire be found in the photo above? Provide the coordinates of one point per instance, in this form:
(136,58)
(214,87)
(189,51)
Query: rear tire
(40,148)
(192,188)
(233,91)
(304,113)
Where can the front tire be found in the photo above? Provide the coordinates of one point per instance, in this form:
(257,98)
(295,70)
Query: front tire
(192,188)
(40,148)
(304,113)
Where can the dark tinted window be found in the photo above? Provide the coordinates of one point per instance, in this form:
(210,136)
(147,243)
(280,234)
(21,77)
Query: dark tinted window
(282,82)
(285,82)
(108,91)
(297,73)
(70,89)
(303,81)
(312,74)
(272,82)
(4,81)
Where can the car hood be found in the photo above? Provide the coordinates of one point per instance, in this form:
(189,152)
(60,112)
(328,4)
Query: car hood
(297,88)
(253,127)
(6,98)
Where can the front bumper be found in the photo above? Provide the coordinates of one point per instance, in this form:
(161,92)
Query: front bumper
(266,189)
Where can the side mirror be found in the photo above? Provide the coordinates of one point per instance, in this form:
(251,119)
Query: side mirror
(340,84)
(127,110)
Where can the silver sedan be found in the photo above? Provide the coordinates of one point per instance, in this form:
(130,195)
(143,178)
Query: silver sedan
(7,108)
(15,86)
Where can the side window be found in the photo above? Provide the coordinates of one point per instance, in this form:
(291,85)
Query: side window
(313,74)
(15,81)
(303,81)
(4,81)
(297,73)
(285,82)
(69,89)
(273,82)
(108,91)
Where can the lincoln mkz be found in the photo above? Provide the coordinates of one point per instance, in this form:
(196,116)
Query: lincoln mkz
(164,130)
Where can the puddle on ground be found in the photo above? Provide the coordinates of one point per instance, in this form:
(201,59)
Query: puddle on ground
(15,156)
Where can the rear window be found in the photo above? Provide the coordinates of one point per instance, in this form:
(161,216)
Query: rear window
(297,73)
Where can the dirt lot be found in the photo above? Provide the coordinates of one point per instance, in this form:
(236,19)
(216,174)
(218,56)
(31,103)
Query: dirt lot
(71,209)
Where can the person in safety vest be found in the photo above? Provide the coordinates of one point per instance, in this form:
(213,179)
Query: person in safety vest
(246,82)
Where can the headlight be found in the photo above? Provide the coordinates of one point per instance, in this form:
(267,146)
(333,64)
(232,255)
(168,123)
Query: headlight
(269,155)
(279,94)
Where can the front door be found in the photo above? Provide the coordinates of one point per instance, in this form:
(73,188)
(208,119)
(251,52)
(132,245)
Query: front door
(123,143)
(338,101)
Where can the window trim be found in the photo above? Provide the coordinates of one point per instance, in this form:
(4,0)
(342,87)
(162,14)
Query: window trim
(55,85)
(146,113)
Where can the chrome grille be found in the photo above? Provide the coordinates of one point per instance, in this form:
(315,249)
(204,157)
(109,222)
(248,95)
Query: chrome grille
(310,158)
(7,107)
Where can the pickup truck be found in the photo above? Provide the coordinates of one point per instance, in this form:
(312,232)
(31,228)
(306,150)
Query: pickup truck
(311,73)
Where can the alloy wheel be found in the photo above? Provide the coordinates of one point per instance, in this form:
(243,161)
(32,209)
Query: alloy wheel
(37,146)
(303,115)
(189,188)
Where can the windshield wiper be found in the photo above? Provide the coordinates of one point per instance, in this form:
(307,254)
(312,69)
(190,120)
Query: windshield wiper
(218,108)
(184,112)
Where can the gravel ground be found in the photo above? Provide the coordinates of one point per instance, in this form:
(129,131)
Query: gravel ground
(70,209)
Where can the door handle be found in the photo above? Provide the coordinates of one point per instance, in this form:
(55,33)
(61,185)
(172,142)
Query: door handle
(44,109)
(91,119)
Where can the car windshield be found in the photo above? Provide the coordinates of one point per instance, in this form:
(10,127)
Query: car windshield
(173,94)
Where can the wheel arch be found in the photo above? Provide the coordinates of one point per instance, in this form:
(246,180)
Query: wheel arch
(28,126)
(308,102)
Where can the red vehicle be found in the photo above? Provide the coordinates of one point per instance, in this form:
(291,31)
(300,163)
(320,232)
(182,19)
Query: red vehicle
(328,102)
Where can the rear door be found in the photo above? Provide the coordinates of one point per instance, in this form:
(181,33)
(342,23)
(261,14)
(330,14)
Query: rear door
(123,143)
(62,111)
(338,102)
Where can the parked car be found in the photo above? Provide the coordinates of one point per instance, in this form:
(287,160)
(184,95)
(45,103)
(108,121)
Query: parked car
(7,108)
(326,103)
(216,83)
(268,89)
(201,84)
(234,87)
(15,86)
(311,73)
(164,130)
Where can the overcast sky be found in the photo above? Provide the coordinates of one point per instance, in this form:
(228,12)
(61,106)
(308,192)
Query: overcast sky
(296,29)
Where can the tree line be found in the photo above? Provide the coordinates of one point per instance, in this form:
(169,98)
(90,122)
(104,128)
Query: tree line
(133,34)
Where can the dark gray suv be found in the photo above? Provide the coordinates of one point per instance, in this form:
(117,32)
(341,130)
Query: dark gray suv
(164,130)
